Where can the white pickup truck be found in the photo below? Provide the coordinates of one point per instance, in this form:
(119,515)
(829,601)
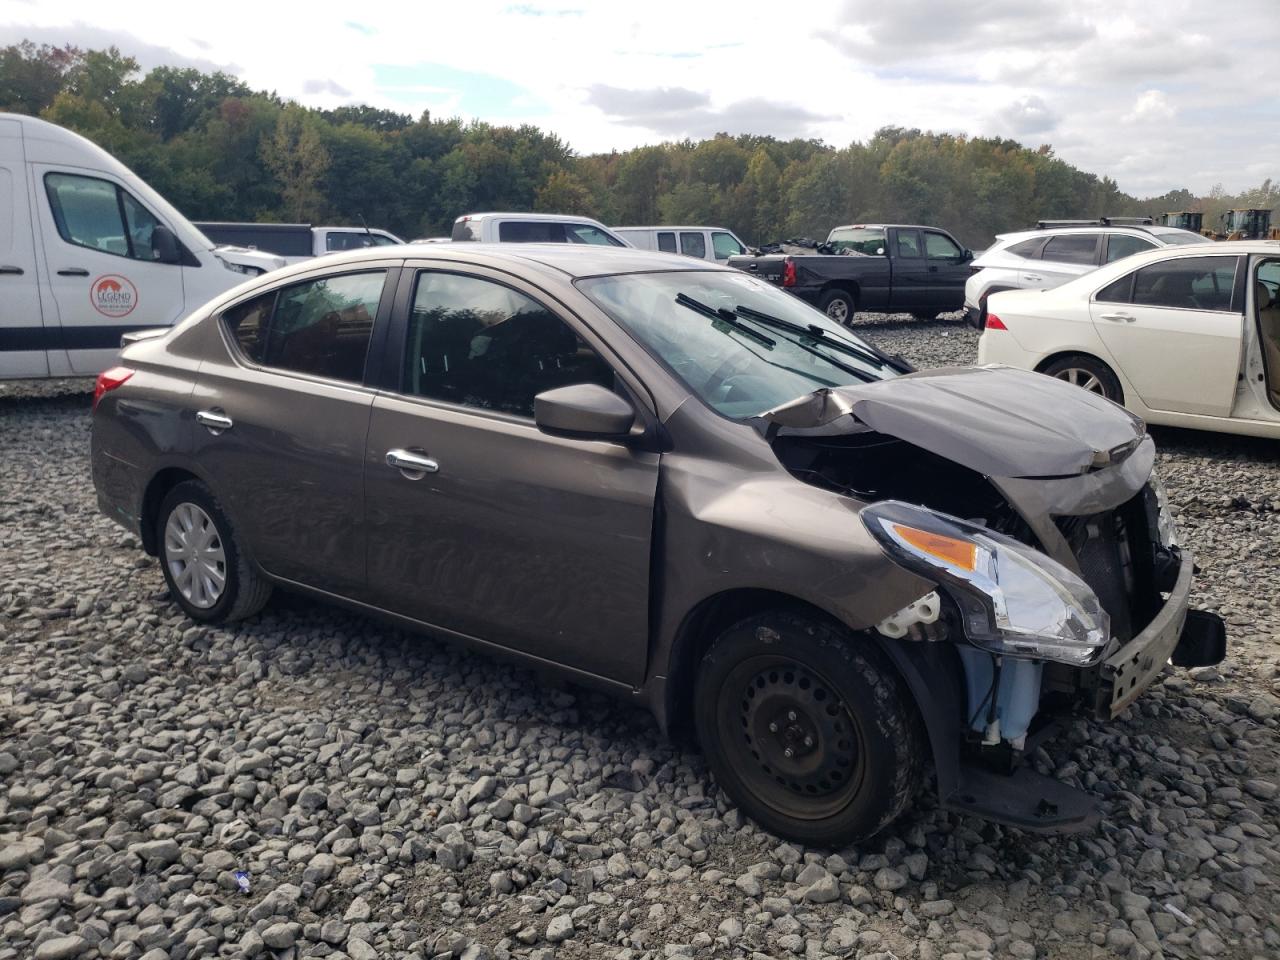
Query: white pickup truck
(297,241)
(88,251)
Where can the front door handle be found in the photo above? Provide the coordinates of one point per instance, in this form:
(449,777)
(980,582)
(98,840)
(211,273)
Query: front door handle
(1032,278)
(216,422)
(1126,317)
(11,271)
(73,272)
(414,466)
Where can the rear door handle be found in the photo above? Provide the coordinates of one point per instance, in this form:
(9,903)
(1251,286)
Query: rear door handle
(1126,317)
(11,271)
(414,466)
(216,422)
(73,272)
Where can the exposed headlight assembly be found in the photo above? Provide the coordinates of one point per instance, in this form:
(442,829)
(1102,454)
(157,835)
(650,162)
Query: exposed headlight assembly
(1015,601)
(239,267)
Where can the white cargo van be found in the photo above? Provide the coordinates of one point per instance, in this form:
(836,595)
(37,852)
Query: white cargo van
(88,251)
(705,243)
(297,241)
(534,228)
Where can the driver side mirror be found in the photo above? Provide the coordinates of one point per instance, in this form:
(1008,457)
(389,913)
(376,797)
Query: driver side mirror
(164,245)
(583,411)
(966,255)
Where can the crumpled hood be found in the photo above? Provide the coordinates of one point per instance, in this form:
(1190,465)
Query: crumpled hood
(999,421)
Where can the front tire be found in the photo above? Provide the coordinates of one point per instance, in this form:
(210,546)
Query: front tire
(202,559)
(1089,373)
(810,731)
(839,305)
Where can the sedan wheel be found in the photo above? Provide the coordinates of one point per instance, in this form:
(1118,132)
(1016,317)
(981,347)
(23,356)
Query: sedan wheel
(193,550)
(203,561)
(1082,378)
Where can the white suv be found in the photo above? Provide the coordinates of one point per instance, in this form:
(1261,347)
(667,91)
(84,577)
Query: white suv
(1058,251)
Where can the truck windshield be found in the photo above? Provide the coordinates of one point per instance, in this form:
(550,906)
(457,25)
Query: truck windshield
(706,328)
(865,240)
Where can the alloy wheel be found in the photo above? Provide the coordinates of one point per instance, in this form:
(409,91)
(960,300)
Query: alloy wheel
(195,556)
(1082,378)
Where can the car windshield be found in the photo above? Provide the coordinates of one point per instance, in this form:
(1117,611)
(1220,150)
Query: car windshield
(1174,235)
(740,344)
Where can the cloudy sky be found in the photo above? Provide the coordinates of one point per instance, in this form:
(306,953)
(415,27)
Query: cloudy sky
(1155,94)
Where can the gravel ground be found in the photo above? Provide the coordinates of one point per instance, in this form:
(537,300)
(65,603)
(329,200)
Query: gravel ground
(389,796)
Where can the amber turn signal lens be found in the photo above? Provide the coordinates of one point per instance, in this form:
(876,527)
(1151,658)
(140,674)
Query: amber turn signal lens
(957,553)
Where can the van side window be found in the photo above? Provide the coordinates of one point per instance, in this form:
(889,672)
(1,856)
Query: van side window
(95,213)
(321,327)
(693,245)
(666,242)
(481,344)
(531,231)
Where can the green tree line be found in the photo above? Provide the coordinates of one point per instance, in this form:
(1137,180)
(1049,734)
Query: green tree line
(221,151)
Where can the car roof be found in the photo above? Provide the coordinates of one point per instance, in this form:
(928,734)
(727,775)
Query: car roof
(886,226)
(553,217)
(670,226)
(1150,230)
(572,260)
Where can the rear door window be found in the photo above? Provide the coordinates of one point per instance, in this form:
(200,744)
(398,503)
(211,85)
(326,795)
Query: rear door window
(1121,245)
(1187,283)
(693,244)
(666,242)
(907,244)
(320,327)
(1079,248)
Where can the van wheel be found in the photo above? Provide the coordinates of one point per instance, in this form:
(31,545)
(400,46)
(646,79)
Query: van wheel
(810,732)
(207,571)
(1088,372)
(839,305)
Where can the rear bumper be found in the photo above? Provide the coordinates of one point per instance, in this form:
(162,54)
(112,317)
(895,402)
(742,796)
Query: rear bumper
(119,487)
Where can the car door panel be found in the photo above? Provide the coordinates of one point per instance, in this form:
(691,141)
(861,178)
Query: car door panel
(102,291)
(911,283)
(1178,358)
(531,542)
(948,269)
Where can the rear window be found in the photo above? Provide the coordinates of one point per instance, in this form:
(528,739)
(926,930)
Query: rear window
(865,240)
(465,229)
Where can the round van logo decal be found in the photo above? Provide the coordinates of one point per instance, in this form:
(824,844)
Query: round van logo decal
(113,295)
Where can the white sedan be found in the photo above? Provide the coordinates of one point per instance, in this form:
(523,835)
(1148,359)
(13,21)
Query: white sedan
(1185,336)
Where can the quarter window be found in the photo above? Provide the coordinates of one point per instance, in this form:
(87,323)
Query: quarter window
(725,245)
(1188,283)
(1027,248)
(667,242)
(321,327)
(1121,245)
(1117,291)
(1072,248)
(693,245)
(95,213)
(481,344)
(938,247)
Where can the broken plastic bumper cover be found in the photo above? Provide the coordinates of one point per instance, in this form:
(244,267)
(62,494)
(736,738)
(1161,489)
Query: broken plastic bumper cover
(1132,668)
(1023,799)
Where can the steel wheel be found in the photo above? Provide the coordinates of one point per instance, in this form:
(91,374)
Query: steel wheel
(794,741)
(195,555)
(838,310)
(1082,378)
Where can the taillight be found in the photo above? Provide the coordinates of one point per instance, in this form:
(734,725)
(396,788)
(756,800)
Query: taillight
(788,273)
(995,323)
(108,380)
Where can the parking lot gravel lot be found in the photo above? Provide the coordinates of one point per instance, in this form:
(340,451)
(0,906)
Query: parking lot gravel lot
(385,795)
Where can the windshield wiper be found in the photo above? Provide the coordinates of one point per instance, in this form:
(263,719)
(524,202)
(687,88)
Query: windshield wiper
(725,316)
(814,332)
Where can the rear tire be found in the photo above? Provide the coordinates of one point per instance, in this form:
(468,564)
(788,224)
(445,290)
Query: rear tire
(810,731)
(204,564)
(839,305)
(1092,374)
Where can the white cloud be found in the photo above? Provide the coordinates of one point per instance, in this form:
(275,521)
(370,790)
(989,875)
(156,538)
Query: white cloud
(1151,107)
(1078,75)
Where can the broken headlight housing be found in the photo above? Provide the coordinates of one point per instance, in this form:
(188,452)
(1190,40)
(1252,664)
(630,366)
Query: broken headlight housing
(1166,526)
(1015,601)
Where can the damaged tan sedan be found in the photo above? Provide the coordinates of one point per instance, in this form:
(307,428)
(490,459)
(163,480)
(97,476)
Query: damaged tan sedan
(675,482)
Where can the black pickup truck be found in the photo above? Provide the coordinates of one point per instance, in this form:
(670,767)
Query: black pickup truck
(878,267)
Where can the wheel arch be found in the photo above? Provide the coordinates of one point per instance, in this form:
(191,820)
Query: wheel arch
(850,287)
(158,487)
(1047,361)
